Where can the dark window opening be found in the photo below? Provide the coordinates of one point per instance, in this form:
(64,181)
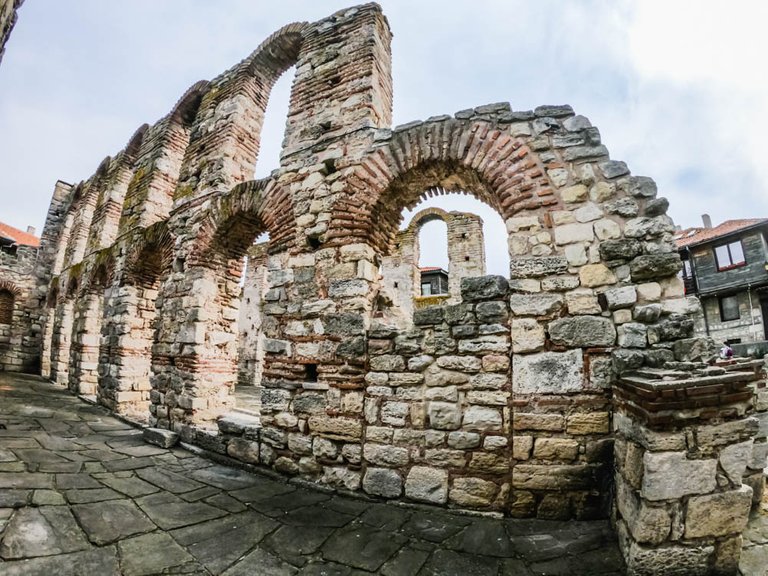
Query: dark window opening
(310,372)
(729,308)
(730,255)
(329,166)
(6,306)
(314,242)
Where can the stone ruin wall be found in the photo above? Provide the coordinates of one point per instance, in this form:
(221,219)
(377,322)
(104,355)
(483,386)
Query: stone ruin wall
(400,291)
(519,398)
(8,18)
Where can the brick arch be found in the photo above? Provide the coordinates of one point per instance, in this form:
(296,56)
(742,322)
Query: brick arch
(438,157)
(425,216)
(223,149)
(185,109)
(134,144)
(101,274)
(234,220)
(72,287)
(9,286)
(149,254)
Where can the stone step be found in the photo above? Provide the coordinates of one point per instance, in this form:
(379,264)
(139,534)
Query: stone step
(238,422)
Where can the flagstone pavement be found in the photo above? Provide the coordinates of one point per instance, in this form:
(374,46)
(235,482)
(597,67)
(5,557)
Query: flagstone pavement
(81,493)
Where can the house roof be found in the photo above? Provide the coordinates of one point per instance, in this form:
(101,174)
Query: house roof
(432,269)
(18,236)
(692,236)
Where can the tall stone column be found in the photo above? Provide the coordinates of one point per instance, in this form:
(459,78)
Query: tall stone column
(685,446)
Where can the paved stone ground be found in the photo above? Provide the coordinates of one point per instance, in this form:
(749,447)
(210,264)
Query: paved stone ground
(81,493)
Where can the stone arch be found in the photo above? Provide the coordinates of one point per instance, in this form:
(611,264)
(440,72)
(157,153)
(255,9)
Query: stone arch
(9,292)
(223,149)
(129,330)
(106,216)
(149,194)
(84,202)
(439,157)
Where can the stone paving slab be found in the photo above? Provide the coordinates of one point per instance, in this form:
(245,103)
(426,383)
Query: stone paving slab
(80,493)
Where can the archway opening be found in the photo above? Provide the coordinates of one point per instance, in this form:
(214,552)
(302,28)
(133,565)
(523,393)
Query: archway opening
(274,125)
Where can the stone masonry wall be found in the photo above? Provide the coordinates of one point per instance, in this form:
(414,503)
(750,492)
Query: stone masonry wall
(8,17)
(506,400)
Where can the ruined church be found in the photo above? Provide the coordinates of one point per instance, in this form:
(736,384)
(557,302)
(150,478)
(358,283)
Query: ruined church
(571,389)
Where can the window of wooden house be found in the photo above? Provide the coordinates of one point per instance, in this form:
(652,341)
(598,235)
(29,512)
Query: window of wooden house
(729,308)
(6,307)
(730,255)
(687,269)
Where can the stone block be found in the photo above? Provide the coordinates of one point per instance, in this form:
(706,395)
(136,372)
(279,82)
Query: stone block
(572,233)
(593,275)
(734,460)
(383,482)
(385,455)
(584,423)
(542,304)
(460,363)
(670,476)
(582,331)
(474,492)
(676,559)
(521,447)
(718,514)
(444,415)
(527,335)
(426,484)
(548,372)
(654,266)
(632,335)
(484,288)
(533,421)
(537,267)
(160,437)
(481,418)
(573,194)
(556,449)
(582,301)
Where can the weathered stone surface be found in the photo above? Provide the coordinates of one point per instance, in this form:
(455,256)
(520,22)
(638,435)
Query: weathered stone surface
(718,514)
(537,267)
(41,532)
(383,482)
(527,335)
(427,485)
(582,331)
(160,437)
(670,476)
(654,266)
(547,372)
(593,275)
(484,288)
(535,304)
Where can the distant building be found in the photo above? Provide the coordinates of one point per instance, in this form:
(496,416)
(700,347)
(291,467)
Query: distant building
(726,267)
(434,281)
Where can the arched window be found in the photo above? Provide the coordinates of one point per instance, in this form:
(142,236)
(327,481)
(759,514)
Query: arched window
(6,306)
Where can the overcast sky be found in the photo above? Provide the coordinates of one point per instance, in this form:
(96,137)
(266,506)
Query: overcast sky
(679,89)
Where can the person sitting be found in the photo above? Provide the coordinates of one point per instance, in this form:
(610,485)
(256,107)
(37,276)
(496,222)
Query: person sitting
(726,352)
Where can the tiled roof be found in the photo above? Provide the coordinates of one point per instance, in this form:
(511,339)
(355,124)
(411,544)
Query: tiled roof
(691,236)
(431,269)
(19,237)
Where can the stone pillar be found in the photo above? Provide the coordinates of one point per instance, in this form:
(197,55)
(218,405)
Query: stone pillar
(86,339)
(684,443)
(125,358)
(466,250)
(62,333)
(250,350)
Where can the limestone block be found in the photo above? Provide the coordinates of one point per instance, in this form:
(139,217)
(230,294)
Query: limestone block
(559,283)
(573,194)
(443,458)
(474,492)
(555,449)
(553,477)
(460,363)
(521,447)
(384,455)
(648,292)
(548,372)
(243,450)
(571,233)
(734,460)
(654,266)
(444,415)
(582,301)
(394,413)
(670,476)
(588,213)
(483,288)
(489,463)
(632,335)
(607,229)
(523,223)
(620,297)
(649,313)
(576,254)
(593,275)
(582,331)
(495,442)
(718,514)
(672,560)
(419,363)
(648,524)
(482,418)
(383,482)
(495,362)
(487,398)
(583,423)
(160,437)
(484,344)
(488,381)
(463,440)
(427,485)
(527,335)
(535,304)
(387,363)
(537,267)
(436,376)
(336,427)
